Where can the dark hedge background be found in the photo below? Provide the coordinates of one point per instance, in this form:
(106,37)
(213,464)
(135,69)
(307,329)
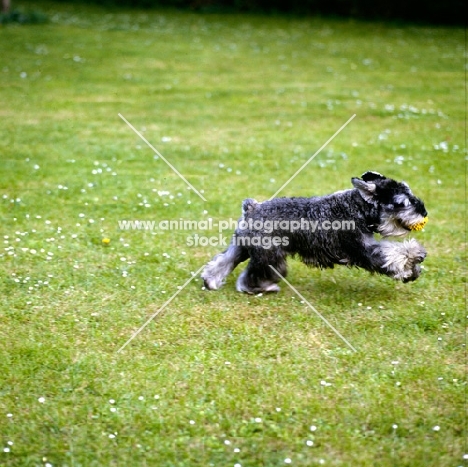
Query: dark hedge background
(449,12)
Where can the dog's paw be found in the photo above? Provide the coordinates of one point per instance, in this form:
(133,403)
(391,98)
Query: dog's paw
(271,288)
(210,283)
(415,273)
(211,280)
(415,255)
(261,287)
(415,252)
(402,260)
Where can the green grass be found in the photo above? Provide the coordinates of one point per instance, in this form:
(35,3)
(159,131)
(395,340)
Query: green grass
(246,100)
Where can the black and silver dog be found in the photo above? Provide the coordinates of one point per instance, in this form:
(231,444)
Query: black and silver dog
(324,231)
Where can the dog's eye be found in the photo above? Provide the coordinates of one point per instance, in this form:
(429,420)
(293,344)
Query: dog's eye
(399,202)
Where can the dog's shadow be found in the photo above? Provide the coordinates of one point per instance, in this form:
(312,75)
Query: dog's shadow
(347,288)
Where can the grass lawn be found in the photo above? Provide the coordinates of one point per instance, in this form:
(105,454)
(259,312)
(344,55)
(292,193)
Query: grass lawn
(237,104)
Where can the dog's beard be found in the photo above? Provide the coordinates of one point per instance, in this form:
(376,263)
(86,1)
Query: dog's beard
(392,227)
(401,225)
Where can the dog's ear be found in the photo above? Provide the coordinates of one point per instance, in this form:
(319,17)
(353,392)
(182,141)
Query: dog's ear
(366,189)
(372,176)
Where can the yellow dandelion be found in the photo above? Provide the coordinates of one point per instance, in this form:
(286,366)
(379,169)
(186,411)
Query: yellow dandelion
(106,241)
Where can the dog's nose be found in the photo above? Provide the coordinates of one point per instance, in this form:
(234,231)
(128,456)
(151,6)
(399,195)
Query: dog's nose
(420,208)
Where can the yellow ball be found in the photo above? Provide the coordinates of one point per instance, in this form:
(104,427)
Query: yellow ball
(419,225)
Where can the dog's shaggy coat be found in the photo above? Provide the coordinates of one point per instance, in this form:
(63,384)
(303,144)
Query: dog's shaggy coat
(376,204)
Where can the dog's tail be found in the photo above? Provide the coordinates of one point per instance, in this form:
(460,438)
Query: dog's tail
(248,205)
(223,264)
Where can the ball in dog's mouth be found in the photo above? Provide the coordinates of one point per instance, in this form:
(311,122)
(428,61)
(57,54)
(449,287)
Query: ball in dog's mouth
(419,225)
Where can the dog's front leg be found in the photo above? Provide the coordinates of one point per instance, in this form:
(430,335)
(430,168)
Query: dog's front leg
(398,260)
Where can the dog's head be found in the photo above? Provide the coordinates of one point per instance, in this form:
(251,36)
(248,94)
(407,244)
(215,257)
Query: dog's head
(400,210)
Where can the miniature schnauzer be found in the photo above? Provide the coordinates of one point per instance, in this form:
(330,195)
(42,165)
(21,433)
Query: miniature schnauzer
(323,231)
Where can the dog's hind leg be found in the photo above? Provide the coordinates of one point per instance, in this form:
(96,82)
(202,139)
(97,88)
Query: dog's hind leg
(222,265)
(258,276)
